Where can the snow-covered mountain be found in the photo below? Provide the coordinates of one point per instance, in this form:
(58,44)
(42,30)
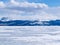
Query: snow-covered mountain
(5,21)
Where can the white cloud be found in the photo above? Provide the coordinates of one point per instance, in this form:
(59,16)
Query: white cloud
(5,34)
(6,31)
(28,11)
(2,5)
(33,5)
(39,35)
(27,4)
(13,2)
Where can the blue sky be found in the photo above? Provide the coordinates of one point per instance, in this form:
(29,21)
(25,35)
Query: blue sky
(49,2)
(30,9)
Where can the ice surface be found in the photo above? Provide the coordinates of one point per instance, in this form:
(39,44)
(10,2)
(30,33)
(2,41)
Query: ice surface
(29,35)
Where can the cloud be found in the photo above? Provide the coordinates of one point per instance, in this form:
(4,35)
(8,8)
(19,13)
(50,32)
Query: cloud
(33,5)
(5,34)
(29,5)
(6,31)
(25,6)
(39,35)
(14,2)
(2,5)
(28,11)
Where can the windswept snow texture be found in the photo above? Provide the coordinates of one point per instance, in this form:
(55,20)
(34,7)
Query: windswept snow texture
(30,35)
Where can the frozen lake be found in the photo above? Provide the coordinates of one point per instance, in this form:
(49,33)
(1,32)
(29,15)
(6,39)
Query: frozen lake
(29,35)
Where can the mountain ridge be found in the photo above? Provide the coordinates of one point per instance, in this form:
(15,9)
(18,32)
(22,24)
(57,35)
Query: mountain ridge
(30,23)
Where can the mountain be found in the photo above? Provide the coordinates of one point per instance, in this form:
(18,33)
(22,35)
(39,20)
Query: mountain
(4,19)
(17,23)
(7,22)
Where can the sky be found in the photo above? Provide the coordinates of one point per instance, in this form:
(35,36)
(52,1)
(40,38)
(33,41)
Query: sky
(49,2)
(30,9)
